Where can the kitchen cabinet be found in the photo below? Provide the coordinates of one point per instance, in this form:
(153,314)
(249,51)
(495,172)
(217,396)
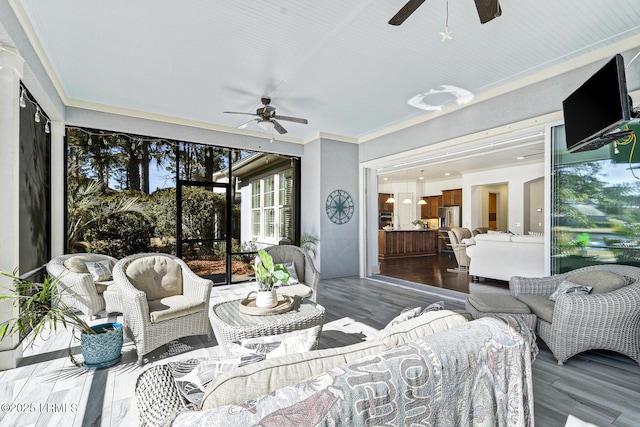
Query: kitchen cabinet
(407,243)
(430,209)
(452,197)
(383,206)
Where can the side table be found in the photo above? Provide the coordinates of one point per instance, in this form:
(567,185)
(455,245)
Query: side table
(229,324)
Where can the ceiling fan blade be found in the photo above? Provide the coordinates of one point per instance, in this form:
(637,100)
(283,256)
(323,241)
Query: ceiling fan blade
(291,119)
(405,12)
(245,124)
(488,10)
(278,127)
(237,112)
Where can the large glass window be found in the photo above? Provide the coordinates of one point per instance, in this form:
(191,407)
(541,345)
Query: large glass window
(276,216)
(130,193)
(596,213)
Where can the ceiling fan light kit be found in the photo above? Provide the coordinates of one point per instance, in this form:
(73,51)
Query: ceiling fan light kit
(265,125)
(267,118)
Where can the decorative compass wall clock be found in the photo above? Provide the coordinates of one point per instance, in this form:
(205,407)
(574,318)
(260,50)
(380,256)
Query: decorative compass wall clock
(339,206)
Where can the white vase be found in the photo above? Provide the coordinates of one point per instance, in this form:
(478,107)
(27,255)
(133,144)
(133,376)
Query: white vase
(266,299)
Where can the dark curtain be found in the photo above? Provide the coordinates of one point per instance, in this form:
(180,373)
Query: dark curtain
(35,189)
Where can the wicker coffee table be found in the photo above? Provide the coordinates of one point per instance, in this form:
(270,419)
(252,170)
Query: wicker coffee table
(230,325)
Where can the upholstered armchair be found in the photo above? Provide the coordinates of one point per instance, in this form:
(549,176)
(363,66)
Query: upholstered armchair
(456,235)
(83,280)
(162,299)
(308,277)
(607,318)
(480,230)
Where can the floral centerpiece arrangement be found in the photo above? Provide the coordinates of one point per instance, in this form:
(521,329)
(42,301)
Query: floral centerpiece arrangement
(269,276)
(418,223)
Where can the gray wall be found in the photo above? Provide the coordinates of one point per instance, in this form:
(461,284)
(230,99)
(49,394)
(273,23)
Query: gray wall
(335,168)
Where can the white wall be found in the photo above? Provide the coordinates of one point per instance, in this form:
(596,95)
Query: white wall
(10,74)
(515,177)
(534,204)
(310,203)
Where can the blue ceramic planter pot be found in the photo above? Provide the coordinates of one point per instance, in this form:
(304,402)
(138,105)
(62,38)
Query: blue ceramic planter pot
(104,348)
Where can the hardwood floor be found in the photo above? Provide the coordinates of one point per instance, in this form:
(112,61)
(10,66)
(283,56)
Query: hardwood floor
(599,387)
(433,270)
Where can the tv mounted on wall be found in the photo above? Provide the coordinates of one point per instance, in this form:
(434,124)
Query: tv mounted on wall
(594,111)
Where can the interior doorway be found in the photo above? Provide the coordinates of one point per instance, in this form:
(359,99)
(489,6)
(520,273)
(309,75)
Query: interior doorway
(493,211)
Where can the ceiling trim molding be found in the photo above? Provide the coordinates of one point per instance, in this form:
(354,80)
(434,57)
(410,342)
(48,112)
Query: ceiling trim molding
(536,77)
(21,15)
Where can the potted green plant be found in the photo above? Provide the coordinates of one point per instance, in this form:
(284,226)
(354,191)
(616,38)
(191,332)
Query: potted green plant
(309,242)
(42,311)
(268,275)
(418,223)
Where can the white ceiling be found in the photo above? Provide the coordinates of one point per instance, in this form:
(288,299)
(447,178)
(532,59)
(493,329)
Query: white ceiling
(336,63)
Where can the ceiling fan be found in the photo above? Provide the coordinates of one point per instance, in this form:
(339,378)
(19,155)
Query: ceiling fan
(487,10)
(267,118)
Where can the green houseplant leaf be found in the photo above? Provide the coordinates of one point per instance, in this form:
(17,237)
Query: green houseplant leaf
(40,309)
(268,274)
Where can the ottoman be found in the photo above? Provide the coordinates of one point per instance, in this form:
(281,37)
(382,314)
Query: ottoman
(480,305)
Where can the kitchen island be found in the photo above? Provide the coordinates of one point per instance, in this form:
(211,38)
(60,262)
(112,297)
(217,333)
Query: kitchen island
(407,243)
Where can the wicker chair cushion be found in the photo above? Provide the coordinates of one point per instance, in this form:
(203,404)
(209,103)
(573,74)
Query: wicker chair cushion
(601,281)
(299,289)
(498,303)
(103,286)
(78,264)
(540,305)
(157,276)
(168,308)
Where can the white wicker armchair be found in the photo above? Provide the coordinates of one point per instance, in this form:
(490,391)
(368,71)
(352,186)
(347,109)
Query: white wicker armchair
(605,321)
(162,299)
(308,276)
(76,286)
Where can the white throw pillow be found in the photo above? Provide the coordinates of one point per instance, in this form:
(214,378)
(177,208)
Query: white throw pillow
(255,349)
(193,375)
(410,313)
(293,275)
(567,287)
(100,270)
(406,314)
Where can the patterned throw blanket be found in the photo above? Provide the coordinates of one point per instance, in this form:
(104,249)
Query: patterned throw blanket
(477,374)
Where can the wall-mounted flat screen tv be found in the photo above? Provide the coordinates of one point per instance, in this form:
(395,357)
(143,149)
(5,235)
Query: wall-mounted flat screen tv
(594,111)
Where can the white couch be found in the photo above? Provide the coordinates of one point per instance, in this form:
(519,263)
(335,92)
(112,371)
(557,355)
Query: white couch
(502,255)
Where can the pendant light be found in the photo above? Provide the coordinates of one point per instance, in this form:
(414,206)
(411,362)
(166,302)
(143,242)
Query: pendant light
(407,200)
(390,200)
(422,201)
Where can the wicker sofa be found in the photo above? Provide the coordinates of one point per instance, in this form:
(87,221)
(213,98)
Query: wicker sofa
(608,318)
(411,371)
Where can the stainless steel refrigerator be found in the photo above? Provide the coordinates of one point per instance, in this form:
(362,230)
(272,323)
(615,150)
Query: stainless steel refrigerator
(450,216)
